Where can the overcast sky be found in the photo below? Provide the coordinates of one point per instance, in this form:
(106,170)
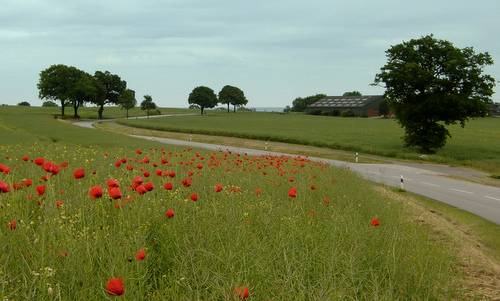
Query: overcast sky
(275,50)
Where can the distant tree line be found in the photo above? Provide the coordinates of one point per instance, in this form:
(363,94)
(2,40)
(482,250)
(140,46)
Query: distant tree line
(203,97)
(73,87)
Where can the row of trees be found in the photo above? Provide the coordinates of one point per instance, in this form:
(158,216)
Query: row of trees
(204,97)
(73,87)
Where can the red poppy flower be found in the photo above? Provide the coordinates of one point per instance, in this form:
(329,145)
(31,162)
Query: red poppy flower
(292,192)
(79,173)
(40,190)
(115,287)
(158,172)
(187,182)
(199,166)
(169,213)
(146,174)
(168,186)
(25,158)
(95,192)
(194,197)
(171,174)
(112,183)
(258,192)
(5,169)
(140,189)
(140,255)
(218,187)
(12,224)
(59,203)
(138,151)
(39,161)
(149,186)
(375,222)
(190,173)
(118,164)
(130,167)
(4,187)
(27,182)
(241,292)
(114,193)
(137,180)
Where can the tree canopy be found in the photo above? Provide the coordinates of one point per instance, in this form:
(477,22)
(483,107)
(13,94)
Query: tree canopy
(431,83)
(49,104)
(204,97)
(109,88)
(147,104)
(127,100)
(57,82)
(232,95)
(300,104)
(352,93)
(24,104)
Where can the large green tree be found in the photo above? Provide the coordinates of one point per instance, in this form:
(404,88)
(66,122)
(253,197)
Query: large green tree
(147,104)
(431,83)
(109,88)
(204,97)
(56,83)
(83,90)
(299,104)
(127,100)
(232,95)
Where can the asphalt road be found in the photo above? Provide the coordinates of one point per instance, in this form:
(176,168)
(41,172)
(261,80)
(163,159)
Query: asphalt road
(479,199)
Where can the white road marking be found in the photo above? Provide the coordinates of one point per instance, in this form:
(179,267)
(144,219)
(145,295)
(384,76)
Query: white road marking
(373,172)
(463,191)
(492,198)
(430,184)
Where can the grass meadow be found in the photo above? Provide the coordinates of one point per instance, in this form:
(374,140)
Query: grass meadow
(476,145)
(231,227)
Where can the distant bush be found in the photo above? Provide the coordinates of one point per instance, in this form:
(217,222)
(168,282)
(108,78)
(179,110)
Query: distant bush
(347,113)
(49,104)
(24,104)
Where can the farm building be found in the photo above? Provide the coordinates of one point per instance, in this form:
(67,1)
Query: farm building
(352,105)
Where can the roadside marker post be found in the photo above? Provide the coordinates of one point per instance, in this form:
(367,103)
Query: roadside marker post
(402,184)
(357,155)
(265,146)
(190,137)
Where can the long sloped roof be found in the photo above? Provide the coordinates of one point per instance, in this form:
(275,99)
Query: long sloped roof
(345,101)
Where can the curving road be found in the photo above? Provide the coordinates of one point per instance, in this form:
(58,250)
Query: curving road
(476,198)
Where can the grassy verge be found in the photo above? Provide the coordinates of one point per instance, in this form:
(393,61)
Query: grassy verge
(477,145)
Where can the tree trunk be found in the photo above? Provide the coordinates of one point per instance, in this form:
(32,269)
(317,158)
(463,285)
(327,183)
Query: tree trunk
(201,110)
(234,108)
(228,107)
(75,108)
(99,112)
(62,108)
(127,113)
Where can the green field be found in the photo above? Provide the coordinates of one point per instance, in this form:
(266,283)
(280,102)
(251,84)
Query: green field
(476,145)
(319,245)
(91,112)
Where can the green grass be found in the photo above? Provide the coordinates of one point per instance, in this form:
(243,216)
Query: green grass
(91,112)
(476,145)
(282,248)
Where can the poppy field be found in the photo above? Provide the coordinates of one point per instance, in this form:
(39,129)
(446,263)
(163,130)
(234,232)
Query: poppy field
(477,145)
(117,218)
